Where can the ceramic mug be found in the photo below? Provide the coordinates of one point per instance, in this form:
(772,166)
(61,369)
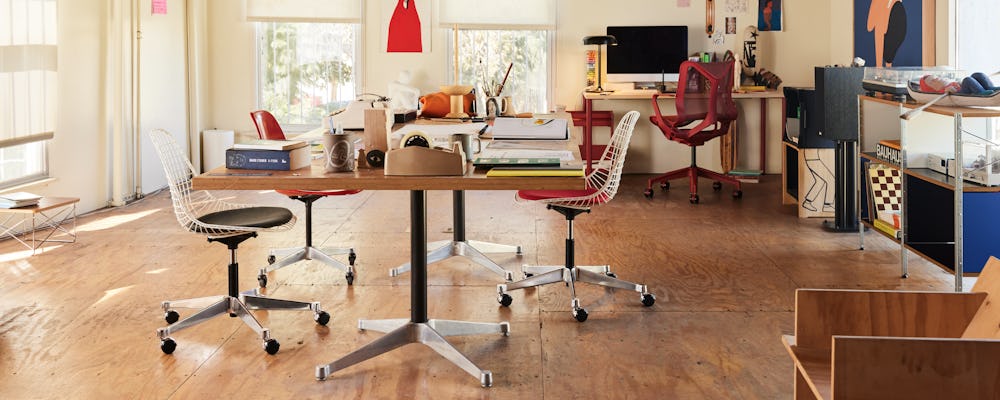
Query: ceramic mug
(497,106)
(466,140)
(508,107)
(338,151)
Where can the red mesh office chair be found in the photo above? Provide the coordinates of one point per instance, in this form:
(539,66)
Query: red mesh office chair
(602,184)
(705,110)
(268,128)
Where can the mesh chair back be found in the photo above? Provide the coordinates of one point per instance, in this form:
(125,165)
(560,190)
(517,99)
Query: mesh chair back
(705,92)
(607,172)
(189,204)
(267,125)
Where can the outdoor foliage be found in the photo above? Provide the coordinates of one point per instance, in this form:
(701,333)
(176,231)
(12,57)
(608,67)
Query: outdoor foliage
(485,54)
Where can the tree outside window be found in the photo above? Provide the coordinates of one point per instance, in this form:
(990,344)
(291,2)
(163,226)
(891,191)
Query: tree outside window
(484,55)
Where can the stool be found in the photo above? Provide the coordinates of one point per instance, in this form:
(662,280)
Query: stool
(55,213)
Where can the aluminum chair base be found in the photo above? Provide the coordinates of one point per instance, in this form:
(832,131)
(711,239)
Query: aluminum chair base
(471,249)
(214,306)
(597,275)
(401,332)
(280,258)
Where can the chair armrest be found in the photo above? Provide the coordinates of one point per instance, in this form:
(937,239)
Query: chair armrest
(659,120)
(915,368)
(821,314)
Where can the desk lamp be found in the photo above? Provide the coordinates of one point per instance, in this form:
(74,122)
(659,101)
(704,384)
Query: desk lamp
(599,41)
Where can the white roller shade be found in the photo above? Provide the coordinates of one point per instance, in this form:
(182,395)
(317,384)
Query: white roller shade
(28,65)
(498,14)
(343,11)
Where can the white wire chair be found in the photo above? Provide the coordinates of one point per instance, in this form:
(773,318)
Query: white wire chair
(602,185)
(227,223)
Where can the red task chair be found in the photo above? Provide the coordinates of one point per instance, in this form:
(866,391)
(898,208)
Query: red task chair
(705,110)
(602,184)
(268,128)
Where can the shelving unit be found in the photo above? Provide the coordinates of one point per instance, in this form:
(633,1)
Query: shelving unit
(943,219)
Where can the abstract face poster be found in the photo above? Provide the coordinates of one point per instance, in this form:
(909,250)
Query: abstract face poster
(406,26)
(769,15)
(888,33)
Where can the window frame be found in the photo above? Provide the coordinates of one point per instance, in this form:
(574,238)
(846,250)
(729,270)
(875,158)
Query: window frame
(357,68)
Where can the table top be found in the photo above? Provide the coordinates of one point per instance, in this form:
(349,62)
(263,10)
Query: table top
(45,203)
(648,94)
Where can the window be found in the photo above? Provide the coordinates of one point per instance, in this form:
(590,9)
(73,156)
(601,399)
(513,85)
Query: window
(484,55)
(975,34)
(27,88)
(306,70)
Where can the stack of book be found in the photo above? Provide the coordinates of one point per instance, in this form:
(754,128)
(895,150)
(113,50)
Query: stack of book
(745,175)
(275,155)
(18,199)
(504,166)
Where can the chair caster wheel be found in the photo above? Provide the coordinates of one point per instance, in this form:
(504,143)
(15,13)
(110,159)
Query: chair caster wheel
(350,278)
(505,300)
(611,274)
(262,280)
(905,276)
(648,193)
(271,259)
(737,194)
(716,186)
(580,314)
(171,317)
(321,318)
(353,256)
(271,346)
(693,199)
(168,345)
(665,186)
(648,299)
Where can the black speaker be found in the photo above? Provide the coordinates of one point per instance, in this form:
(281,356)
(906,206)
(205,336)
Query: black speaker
(837,91)
(801,111)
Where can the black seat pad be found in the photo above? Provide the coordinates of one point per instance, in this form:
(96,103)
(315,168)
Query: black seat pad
(251,217)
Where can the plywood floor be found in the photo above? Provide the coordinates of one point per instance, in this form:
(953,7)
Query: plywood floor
(78,321)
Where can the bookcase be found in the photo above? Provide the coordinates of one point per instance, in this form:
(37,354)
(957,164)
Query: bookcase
(949,221)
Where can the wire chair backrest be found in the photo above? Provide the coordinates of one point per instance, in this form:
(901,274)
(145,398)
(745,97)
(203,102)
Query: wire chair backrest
(607,173)
(267,125)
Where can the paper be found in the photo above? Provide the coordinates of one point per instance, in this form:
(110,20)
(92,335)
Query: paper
(438,131)
(159,7)
(491,152)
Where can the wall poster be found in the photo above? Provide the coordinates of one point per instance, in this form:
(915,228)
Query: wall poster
(898,33)
(406,26)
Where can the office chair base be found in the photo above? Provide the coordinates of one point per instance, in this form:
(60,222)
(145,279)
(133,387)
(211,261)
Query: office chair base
(471,249)
(596,275)
(693,172)
(293,255)
(401,332)
(213,306)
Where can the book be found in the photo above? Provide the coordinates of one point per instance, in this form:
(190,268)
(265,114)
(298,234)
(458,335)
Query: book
(266,144)
(886,228)
(489,162)
(274,160)
(530,128)
(500,171)
(18,199)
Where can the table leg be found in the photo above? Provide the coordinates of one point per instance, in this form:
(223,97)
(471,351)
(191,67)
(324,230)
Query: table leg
(763,135)
(588,131)
(419,329)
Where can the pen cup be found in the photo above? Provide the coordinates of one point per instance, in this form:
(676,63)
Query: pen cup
(466,140)
(338,151)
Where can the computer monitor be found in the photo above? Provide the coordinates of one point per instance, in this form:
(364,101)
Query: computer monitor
(647,53)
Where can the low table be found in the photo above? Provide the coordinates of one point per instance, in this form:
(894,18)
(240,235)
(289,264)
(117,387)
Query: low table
(55,213)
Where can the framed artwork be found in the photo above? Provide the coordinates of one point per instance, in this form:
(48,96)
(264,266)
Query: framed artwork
(769,15)
(894,33)
(406,26)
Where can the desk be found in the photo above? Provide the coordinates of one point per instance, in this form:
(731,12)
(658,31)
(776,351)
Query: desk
(418,328)
(588,109)
(56,213)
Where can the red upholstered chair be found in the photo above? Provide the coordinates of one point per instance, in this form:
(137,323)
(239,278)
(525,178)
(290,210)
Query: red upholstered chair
(268,128)
(705,110)
(602,184)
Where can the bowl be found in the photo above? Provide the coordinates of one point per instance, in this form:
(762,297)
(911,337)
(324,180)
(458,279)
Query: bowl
(456,90)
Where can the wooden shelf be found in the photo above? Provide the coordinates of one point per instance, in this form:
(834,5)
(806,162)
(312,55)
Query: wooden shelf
(967,112)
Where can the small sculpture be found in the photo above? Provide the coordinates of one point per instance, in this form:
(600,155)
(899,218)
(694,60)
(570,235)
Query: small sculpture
(403,96)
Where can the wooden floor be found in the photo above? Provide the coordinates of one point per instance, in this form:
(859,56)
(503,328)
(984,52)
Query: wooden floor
(78,320)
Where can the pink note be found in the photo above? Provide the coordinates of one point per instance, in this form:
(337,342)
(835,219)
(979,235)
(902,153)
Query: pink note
(160,7)
(683,3)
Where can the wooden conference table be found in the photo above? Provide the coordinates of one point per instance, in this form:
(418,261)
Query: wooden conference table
(418,328)
(588,110)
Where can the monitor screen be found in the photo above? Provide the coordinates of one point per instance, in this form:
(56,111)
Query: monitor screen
(646,53)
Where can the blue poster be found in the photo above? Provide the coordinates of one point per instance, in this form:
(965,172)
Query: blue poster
(887,33)
(769,15)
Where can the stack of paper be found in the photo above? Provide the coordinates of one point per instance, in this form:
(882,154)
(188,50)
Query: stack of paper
(530,128)
(18,199)
(265,144)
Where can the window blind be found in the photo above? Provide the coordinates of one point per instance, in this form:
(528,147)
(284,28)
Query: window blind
(498,14)
(28,63)
(342,11)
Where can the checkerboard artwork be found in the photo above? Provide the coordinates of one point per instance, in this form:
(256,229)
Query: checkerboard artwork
(886,190)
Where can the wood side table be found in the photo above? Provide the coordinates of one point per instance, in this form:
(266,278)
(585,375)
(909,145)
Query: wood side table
(56,213)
